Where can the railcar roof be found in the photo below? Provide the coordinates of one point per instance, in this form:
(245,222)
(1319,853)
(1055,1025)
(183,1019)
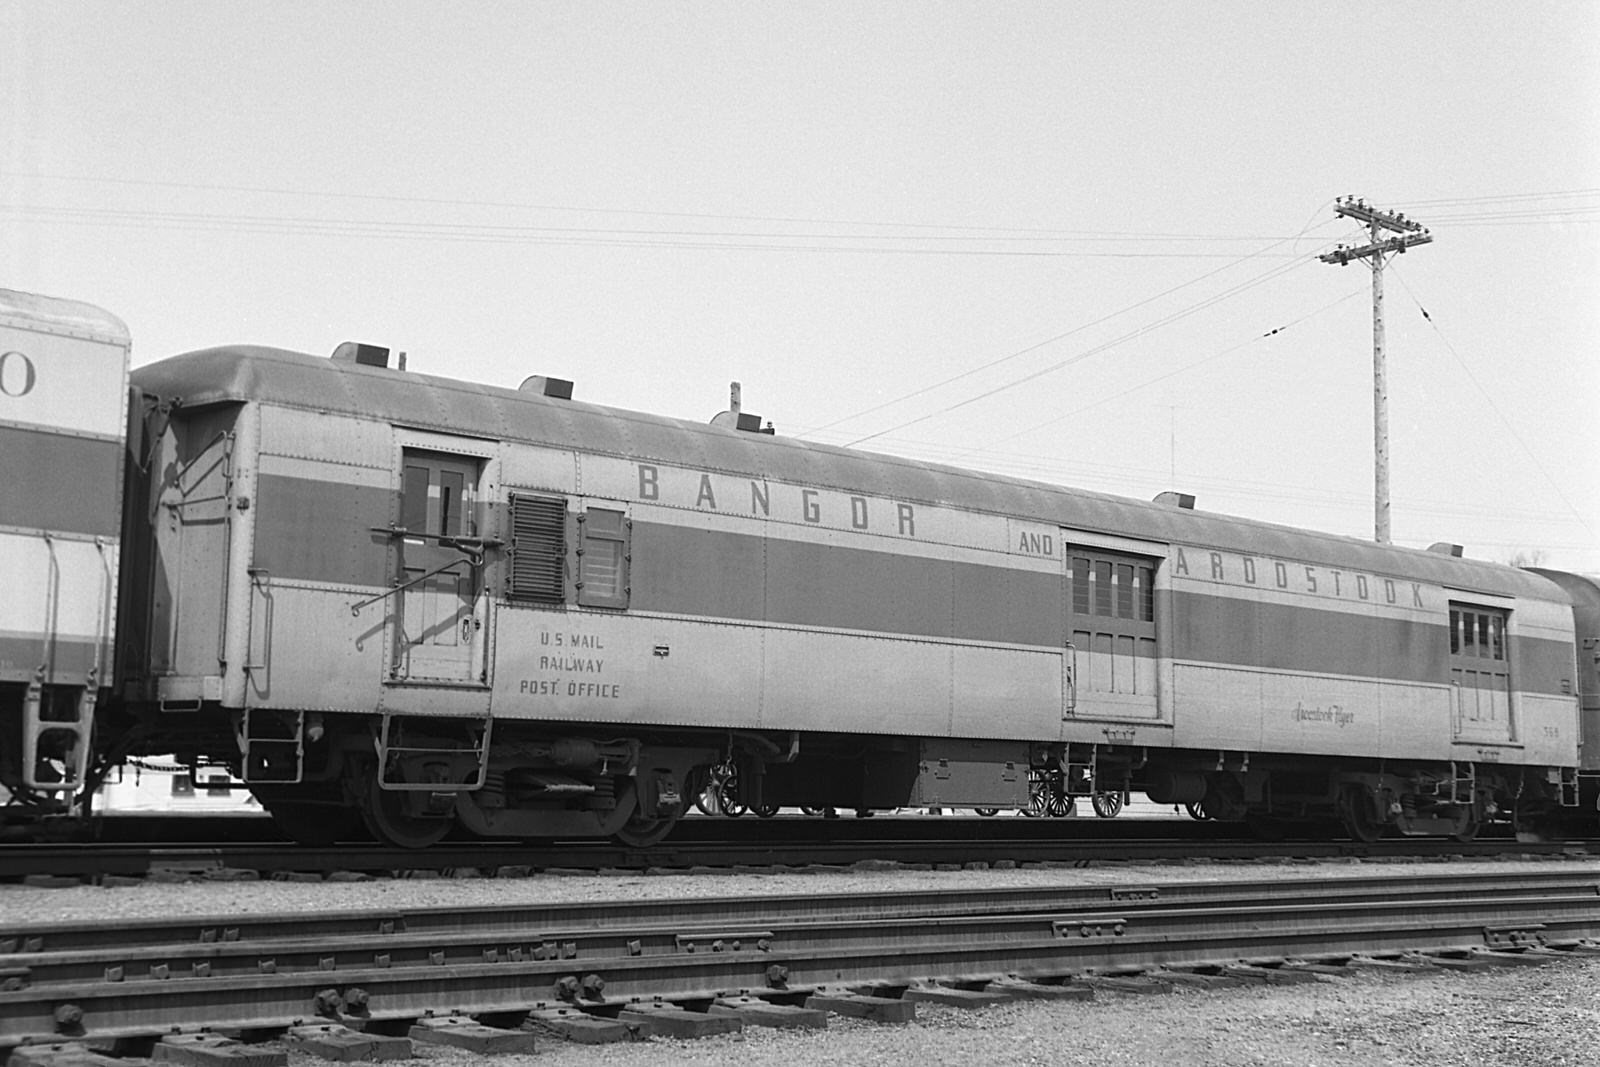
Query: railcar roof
(447,405)
(32,311)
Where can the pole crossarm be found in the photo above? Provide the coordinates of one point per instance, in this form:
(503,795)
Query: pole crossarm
(1343,255)
(1351,208)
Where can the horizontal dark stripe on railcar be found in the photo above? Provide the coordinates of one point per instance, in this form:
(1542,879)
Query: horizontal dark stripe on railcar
(319,531)
(60,483)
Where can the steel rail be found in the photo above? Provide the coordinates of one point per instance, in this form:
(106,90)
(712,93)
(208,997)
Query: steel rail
(35,943)
(85,861)
(783,945)
(230,959)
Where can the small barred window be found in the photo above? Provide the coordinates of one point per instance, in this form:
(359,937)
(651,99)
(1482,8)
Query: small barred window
(538,549)
(603,569)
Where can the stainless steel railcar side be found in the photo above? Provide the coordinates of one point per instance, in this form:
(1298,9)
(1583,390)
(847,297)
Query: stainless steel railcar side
(437,601)
(63,425)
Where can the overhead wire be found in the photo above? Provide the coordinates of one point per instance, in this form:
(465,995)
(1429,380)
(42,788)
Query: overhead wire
(1275,331)
(577,209)
(913,394)
(1489,399)
(1510,208)
(1556,194)
(1116,478)
(1165,320)
(1309,225)
(1494,210)
(611,237)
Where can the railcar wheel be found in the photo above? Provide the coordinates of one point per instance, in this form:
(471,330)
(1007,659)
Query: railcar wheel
(1466,824)
(1061,806)
(384,812)
(1197,810)
(765,811)
(1107,805)
(725,791)
(639,832)
(642,831)
(1038,796)
(1356,816)
(987,812)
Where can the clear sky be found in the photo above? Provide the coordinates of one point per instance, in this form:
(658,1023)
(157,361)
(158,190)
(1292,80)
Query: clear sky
(1044,239)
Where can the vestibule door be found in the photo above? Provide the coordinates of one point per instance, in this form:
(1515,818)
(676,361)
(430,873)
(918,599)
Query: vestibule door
(440,614)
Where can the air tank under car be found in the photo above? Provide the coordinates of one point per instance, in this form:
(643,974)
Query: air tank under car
(63,434)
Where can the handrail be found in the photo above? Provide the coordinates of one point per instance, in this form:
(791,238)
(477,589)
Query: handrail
(355,609)
(472,547)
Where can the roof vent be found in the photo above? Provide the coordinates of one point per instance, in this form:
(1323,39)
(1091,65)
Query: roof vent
(555,388)
(742,421)
(1445,548)
(1176,500)
(366,355)
(736,418)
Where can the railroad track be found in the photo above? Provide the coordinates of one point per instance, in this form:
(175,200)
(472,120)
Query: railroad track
(726,845)
(486,977)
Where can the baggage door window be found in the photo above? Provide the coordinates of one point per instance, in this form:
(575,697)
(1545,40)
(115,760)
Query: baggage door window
(1480,673)
(1112,623)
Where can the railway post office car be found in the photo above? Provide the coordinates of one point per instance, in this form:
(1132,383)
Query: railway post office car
(63,420)
(440,603)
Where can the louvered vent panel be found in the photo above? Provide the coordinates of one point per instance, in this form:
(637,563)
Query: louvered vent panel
(538,548)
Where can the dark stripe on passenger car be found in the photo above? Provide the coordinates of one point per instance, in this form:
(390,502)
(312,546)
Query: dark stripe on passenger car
(1245,633)
(50,481)
(320,531)
(698,572)
(70,659)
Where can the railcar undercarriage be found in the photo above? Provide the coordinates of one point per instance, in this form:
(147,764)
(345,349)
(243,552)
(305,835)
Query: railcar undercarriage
(1366,799)
(411,780)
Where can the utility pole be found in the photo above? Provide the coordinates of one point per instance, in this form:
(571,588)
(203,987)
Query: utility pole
(1407,233)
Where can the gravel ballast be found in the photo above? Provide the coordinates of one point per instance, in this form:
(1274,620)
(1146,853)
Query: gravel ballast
(23,904)
(1543,1015)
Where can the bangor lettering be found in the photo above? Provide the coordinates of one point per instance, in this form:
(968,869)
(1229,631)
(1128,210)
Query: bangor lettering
(795,503)
(17,374)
